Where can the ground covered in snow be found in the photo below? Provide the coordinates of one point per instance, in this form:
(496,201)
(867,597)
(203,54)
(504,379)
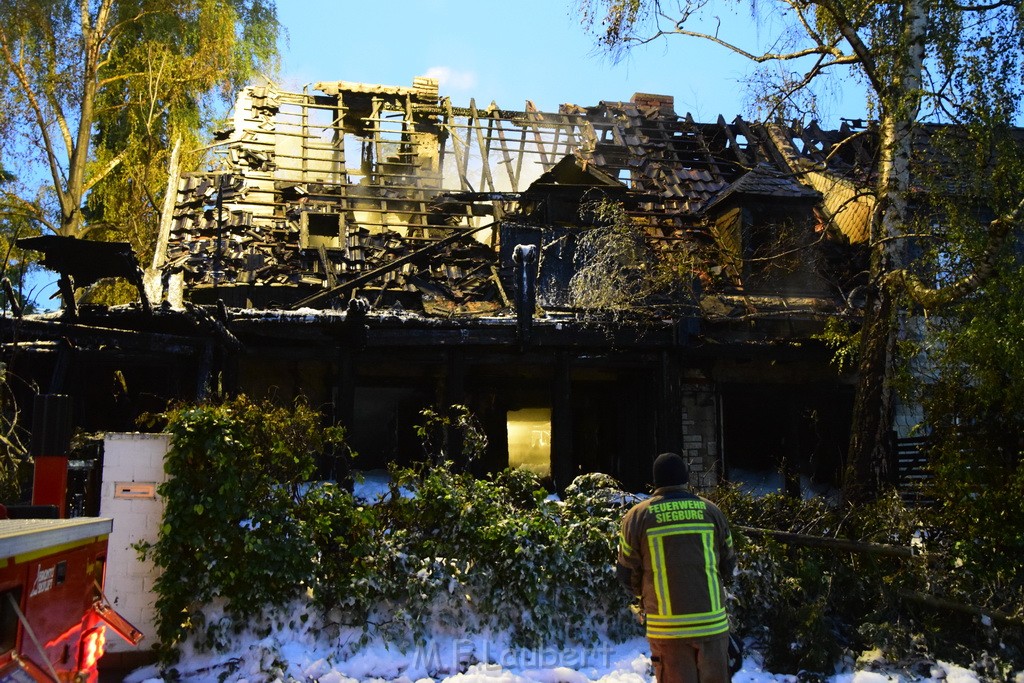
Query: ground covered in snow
(300,657)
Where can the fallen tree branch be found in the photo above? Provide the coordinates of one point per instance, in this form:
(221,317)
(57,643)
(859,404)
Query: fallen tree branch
(952,605)
(834,543)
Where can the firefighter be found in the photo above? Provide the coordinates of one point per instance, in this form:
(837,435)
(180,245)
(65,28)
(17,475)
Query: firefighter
(675,554)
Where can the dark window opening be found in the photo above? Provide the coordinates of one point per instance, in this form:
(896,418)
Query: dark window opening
(320,230)
(383,428)
(781,439)
(777,251)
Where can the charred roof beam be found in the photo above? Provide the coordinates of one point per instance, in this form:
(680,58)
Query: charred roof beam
(350,286)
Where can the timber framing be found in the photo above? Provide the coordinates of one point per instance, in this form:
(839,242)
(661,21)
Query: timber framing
(378,250)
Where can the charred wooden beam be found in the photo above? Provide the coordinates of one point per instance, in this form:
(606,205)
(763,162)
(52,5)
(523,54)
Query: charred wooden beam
(221,333)
(81,263)
(347,288)
(88,336)
(525,258)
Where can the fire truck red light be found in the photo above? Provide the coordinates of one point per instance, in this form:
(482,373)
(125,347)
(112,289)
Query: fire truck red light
(92,648)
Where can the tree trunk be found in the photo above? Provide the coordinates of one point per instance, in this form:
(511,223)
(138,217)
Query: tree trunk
(72,222)
(870,434)
(871,442)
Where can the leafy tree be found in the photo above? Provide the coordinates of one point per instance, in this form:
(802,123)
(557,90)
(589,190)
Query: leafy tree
(13,226)
(94,93)
(974,404)
(945,61)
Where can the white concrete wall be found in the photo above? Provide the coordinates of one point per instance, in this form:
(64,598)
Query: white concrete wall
(138,459)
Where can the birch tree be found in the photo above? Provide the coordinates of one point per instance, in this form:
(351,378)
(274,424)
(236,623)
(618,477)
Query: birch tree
(94,90)
(945,61)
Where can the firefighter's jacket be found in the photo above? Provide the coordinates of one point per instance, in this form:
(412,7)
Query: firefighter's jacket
(675,548)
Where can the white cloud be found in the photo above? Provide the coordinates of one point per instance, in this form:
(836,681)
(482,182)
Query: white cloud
(450,79)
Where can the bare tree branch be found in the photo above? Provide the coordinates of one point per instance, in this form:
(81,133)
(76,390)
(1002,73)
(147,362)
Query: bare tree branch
(13,205)
(840,58)
(863,52)
(1012,4)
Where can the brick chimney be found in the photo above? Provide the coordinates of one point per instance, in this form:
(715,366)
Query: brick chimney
(665,103)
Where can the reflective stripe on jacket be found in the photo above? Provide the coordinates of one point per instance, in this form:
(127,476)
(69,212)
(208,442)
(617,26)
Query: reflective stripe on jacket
(674,550)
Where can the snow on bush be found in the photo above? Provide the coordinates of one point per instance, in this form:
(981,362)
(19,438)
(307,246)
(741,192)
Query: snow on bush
(253,554)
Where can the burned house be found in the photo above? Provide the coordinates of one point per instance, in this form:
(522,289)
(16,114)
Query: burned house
(597,284)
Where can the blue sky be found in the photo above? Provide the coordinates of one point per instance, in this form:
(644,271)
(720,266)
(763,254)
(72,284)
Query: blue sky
(516,50)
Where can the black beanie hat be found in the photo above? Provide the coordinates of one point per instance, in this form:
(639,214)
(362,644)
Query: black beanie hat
(670,470)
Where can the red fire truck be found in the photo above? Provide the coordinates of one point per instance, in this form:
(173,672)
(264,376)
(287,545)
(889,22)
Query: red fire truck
(53,615)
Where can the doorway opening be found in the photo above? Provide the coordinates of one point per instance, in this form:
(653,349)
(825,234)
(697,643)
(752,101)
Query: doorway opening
(529,440)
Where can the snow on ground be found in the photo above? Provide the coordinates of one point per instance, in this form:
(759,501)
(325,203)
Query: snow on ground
(295,657)
(372,485)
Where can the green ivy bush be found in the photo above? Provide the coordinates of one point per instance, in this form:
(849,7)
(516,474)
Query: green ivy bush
(244,532)
(810,608)
(245,538)
(454,551)
(232,526)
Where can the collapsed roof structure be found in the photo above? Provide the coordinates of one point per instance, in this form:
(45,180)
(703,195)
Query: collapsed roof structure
(379,249)
(355,187)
